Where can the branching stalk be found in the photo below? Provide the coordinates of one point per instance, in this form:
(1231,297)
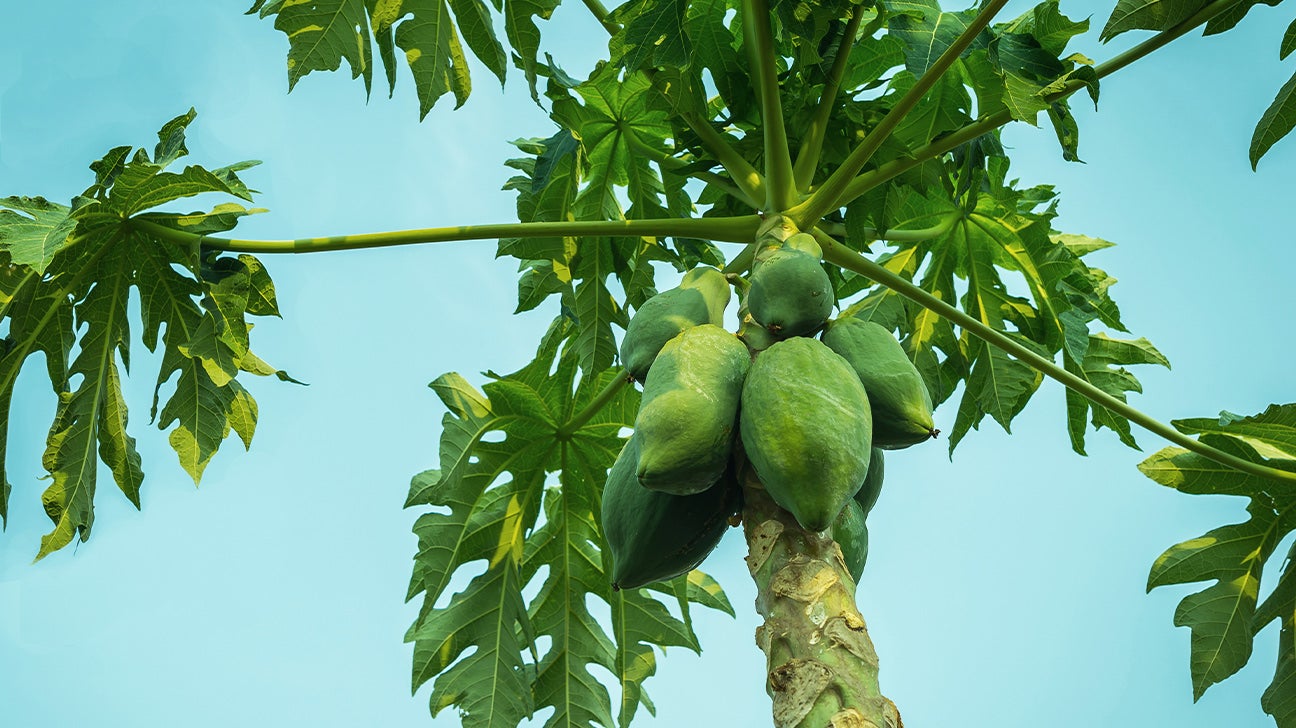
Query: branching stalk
(758,36)
(812,141)
(600,401)
(740,229)
(826,197)
(839,254)
(987,124)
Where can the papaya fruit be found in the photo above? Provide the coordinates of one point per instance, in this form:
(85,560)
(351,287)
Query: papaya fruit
(867,495)
(653,536)
(902,408)
(700,298)
(689,410)
(851,534)
(805,425)
(806,243)
(756,337)
(791,294)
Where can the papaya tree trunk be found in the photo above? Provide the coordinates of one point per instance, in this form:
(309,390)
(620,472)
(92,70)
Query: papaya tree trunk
(822,668)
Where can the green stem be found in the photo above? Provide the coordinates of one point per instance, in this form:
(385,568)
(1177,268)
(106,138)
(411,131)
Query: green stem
(826,197)
(726,229)
(758,36)
(740,170)
(602,15)
(742,261)
(812,142)
(600,401)
(839,254)
(987,124)
(897,236)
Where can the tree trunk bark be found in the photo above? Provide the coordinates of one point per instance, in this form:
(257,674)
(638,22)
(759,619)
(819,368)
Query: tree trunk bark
(823,670)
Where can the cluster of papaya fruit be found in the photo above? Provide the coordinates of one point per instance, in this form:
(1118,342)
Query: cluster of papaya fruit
(812,415)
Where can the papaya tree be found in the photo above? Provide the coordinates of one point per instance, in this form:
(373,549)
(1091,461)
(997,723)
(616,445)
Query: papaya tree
(703,136)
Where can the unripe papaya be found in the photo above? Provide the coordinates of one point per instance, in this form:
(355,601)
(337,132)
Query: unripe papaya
(699,299)
(867,496)
(689,410)
(902,409)
(851,534)
(756,337)
(654,536)
(806,243)
(790,295)
(805,425)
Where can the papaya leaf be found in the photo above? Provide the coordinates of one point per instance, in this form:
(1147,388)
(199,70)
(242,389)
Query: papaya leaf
(1230,17)
(68,276)
(1148,15)
(1224,617)
(1272,433)
(652,35)
(494,513)
(1288,42)
(1220,615)
(1276,122)
(1101,362)
(33,230)
(321,35)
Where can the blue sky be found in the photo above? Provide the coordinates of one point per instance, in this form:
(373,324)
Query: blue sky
(1005,588)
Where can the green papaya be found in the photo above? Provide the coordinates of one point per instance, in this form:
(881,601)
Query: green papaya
(805,425)
(868,493)
(689,410)
(756,337)
(902,408)
(804,242)
(700,298)
(654,536)
(851,534)
(791,294)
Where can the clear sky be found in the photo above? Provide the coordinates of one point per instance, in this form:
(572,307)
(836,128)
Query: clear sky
(1005,588)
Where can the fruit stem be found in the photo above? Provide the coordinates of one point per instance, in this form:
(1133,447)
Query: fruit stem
(737,229)
(839,254)
(578,420)
(822,668)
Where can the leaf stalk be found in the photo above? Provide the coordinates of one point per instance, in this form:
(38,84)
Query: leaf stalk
(578,420)
(737,229)
(758,36)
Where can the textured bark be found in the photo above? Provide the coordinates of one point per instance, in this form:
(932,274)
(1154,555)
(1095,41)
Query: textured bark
(823,671)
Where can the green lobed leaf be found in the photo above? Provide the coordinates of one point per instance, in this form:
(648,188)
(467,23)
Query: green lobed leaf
(87,279)
(1220,616)
(652,35)
(1233,15)
(1271,433)
(1276,122)
(1148,15)
(1224,617)
(487,497)
(33,230)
